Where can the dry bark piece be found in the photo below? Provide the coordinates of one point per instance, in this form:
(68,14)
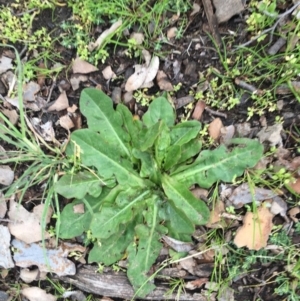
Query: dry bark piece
(214,128)
(199,109)
(116,285)
(256,229)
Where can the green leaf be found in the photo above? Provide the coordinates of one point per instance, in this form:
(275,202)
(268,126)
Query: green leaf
(183,200)
(133,127)
(162,143)
(159,109)
(94,151)
(97,107)
(185,132)
(148,136)
(110,250)
(107,222)
(78,185)
(141,257)
(74,224)
(172,156)
(220,164)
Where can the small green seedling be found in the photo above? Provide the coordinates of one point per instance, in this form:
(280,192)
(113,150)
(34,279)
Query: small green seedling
(135,184)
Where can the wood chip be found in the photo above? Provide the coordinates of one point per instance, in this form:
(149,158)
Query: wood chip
(199,109)
(214,128)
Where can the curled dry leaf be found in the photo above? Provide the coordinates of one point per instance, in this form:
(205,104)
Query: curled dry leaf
(177,245)
(256,229)
(83,67)
(37,294)
(293,214)
(136,80)
(32,275)
(104,35)
(214,128)
(61,103)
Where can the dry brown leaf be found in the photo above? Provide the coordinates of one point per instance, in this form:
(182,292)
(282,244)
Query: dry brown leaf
(295,186)
(227,133)
(256,229)
(37,294)
(83,67)
(41,75)
(108,73)
(76,79)
(25,225)
(188,264)
(5,64)
(293,212)
(226,9)
(136,80)
(3,205)
(6,261)
(6,175)
(138,37)
(163,81)
(61,103)
(214,128)
(199,109)
(192,285)
(196,9)
(271,134)
(215,215)
(171,33)
(79,208)
(66,122)
(12,115)
(152,69)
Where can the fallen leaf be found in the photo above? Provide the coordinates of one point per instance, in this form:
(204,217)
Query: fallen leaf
(45,130)
(163,82)
(25,225)
(177,245)
(138,37)
(215,215)
(226,293)
(76,296)
(271,134)
(76,79)
(104,35)
(196,9)
(227,133)
(32,275)
(12,115)
(72,109)
(243,129)
(79,208)
(278,206)
(227,9)
(171,33)
(108,73)
(47,260)
(295,186)
(244,195)
(188,264)
(6,175)
(66,122)
(199,109)
(3,205)
(5,64)
(183,101)
(152,69)
(61,103)
(37,294)
(192,285)
(293,214)
(136,80)
(83,67)
(214,128)
(30,90)
(256,229)
(5,255)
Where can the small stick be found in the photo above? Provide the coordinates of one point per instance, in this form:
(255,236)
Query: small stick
(215,113)
(50,91)
(276,46)
(247,86)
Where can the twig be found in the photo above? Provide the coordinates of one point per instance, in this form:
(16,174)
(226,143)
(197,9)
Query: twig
(247,86)
(51,90)
(272,28)
(215,113)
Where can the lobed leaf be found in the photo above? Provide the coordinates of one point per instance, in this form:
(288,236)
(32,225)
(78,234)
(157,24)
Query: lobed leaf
(220,164)
(183,200)
(184,132)
(98,109)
